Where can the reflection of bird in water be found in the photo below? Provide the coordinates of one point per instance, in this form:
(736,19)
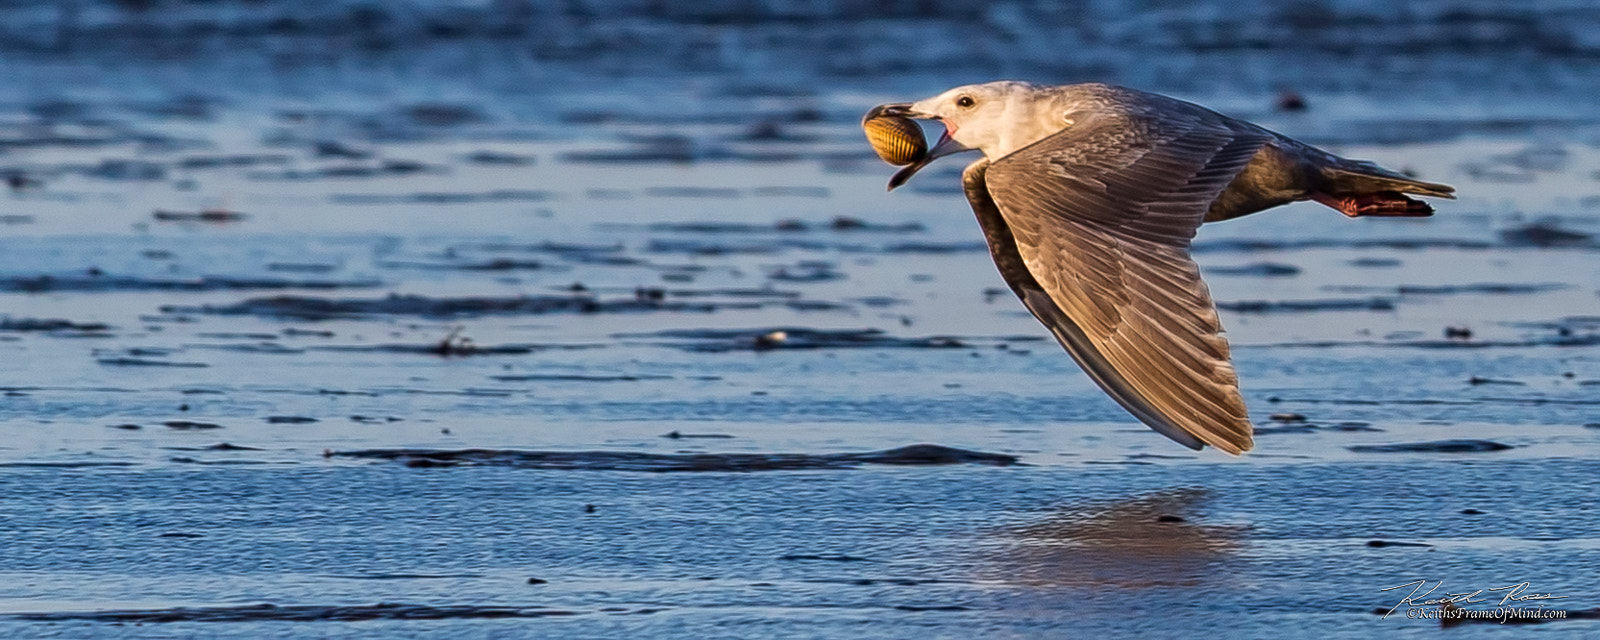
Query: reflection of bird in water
(1145,541)
(1089,196)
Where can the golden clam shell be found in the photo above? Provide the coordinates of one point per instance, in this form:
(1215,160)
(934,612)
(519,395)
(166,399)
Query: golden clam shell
(899,141)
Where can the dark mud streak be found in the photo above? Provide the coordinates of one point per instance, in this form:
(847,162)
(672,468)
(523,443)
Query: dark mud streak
(558,377)
(505,195)
(835,557)
(405,576)
(89,283)
(438,350)
(498,264)
(1378,544)
(1492,288)
(1546,235)
(309,308)
(1437,446)
(49,325)
(1352,427)
(1560,339)
(782,226)
(791,338)
(190,425)
(1258,269)
(913,455)
(297,613)
(144,362)
(1254,245)
(1307,306)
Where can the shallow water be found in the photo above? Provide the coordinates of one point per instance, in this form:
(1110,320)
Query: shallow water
(375,341)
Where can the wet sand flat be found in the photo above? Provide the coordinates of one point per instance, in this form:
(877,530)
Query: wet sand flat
(379,349)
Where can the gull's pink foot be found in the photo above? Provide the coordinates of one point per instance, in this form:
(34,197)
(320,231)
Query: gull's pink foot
(1378,203)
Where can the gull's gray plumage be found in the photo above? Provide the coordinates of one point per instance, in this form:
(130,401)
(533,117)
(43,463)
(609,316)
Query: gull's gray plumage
(1089,196)
(1102,213)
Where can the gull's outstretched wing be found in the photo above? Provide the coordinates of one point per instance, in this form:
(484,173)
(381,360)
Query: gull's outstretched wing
(1102,214)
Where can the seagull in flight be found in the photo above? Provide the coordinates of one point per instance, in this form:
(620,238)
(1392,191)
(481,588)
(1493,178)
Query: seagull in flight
(1089,195)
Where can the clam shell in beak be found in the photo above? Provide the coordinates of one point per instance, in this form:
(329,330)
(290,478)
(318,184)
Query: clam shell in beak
(898,140)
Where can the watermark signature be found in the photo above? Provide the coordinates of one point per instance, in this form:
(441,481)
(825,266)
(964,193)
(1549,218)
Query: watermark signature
(1513,602)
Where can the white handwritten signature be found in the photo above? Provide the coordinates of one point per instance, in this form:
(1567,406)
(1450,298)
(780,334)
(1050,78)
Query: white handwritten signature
(1513,593)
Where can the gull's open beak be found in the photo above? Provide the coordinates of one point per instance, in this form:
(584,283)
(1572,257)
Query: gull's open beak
(944,147)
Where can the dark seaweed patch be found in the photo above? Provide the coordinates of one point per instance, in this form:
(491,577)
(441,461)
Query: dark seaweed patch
(919,454)
(1437,446)
(296,613)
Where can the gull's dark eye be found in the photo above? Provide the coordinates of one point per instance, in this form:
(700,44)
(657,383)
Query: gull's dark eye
(965,102)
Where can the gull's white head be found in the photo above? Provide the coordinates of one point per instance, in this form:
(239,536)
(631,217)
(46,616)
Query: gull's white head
(995,118)
(985,117)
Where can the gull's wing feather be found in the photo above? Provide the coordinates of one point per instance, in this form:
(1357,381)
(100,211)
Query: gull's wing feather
(1003,248)
(1102,214)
